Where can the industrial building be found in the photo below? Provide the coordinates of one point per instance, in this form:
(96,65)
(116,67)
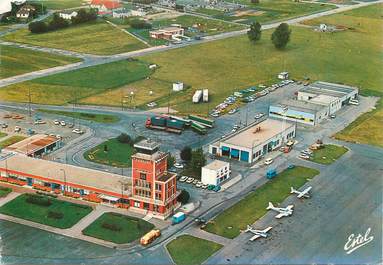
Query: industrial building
(254,141)
(167,33)
(299,111)
(150,189)
(215,173)
(37,145)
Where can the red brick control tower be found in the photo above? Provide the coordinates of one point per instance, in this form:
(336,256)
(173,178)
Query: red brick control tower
(154,189)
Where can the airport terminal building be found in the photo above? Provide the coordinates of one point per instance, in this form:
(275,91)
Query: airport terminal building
(254,141)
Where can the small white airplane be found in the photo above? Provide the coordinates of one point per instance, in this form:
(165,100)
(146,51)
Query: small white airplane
(302,194)
(283,212)
(257,233)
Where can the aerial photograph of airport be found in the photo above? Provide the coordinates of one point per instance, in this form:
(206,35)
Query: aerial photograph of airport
(191,132)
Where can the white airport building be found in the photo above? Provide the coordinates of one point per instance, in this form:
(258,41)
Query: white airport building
(254,141)
(215,173)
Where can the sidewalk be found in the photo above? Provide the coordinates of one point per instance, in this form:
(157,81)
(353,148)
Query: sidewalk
(197,232)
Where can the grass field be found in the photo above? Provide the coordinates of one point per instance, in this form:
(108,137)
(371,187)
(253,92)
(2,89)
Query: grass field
(4,191)
(101,118)
(328,154)
(60,4)
(65,87)
(229,222)
(2,134)
(118,154)
(11,140)
(72,213)
(93,38)
(16,61)
(125,229)
(191,250)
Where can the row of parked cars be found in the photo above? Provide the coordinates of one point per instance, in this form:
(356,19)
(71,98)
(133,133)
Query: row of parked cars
(199,184)
(70,125)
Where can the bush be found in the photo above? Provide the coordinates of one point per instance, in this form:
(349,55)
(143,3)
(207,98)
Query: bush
(183,197)
(38,200)
(186,153)
(124,138)
(112,227)
(84,16)
(55,215)
(140,24)
(5,189)
(57,22)
(38,27)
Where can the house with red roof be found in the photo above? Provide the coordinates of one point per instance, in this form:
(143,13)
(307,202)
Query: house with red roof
(106,6)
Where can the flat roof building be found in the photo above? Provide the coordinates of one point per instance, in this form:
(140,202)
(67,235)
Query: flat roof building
(256,140)
(215,173)
(36,146)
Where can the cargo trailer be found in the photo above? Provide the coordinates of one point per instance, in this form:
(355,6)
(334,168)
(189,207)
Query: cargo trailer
(205,121)
(197,96)
(178,218)
(205,96)
(198,127)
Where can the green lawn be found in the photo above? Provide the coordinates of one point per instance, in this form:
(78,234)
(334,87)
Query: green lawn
(191,250)
(2,134)
(94,38)
(72,213)
(61,4)
(4,191)
(253,206)
(118,154)
(126,229)
(65,87)
(328,154)
(17,61)
(11,140)
(101,118)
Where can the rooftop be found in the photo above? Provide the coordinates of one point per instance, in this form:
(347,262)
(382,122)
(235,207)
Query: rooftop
(55,171)
(318,91)
(216,165)
(32,144)
(258,133)
(165,177)
(334,87)
(147,144)
(323,99)
(301,105)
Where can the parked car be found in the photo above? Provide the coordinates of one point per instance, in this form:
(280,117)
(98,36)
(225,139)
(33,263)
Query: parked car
(178,165)
(217,188)
(259,115)
(268,161)
(354,102)
(77,131)
(189,180)
(210,187)
(62,123)
(56,122)
(232,111)
(304,156)
(4,125)
(199,184)
(204,186)
(195,182)
(70,125)
(40,122)
(17,129)
(332,116)
(183,178)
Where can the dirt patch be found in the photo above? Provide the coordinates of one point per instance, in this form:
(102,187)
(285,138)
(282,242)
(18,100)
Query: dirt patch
(250,12)
(163,110)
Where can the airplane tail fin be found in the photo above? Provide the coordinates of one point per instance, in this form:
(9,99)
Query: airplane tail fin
(292,190)
(270,206)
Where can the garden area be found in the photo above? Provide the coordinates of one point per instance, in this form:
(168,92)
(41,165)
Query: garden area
(191,250)
(230,222)
(11,140)
(45,210)
(4,191)
(328,154)
(118,228)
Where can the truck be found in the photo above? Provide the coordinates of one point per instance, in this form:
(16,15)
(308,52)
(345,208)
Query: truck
(205,96)
(150,237)
(271,173)
(178,218)
(164,123)
(197,96)
(205,121)
(198,127)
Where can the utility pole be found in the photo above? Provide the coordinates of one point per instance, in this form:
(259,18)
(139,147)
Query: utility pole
(29,101)
(169,103)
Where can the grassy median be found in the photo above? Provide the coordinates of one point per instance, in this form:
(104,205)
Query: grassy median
(118,228)
(253,206)
(45,210)
(328,154)
(101,118)
(191,250)
(11,140)
(4,191)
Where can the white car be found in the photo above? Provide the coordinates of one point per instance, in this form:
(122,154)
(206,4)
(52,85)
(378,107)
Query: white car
(304,156)
(17,129)
(78,131)
(151,104)
(183,178)
(40,122)
(204,186)
(199,184)
(62,123)
(354,102)
(189,180)
(268,161)
(259,115)
(195,181)
(178,165)
(58,136)
(232,111)
(56,122)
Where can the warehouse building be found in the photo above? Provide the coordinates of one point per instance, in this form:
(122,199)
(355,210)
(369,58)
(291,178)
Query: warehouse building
(303,112)
(150,189)
(255,141)
(333,96)
(37,145)
(215,173)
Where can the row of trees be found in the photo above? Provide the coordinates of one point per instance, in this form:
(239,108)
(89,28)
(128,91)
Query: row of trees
(280,36)
(58,22)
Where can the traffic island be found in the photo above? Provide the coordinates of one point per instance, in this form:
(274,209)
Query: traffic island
(328,154)
(118,228)
(4,191)
(188,249)
(45,210)
(230,222)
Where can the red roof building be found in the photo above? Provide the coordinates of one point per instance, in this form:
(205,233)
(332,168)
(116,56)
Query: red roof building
(105,6)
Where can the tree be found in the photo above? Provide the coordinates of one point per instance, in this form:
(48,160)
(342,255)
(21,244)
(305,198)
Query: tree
(281,36)
(124,138)
(58,22)
(254,1)
(186,153)
(197,161)
(183,197)
(254,32)
(105,148)
(38,27)
(171,161)
(140,24)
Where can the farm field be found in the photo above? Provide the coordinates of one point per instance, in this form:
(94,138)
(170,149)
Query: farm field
(17,61)
(56,213)
(74,85)
(118,228)
(101,118)
(253,206)
(118,154)
(187,249)
(85,38)
(328,154)
(11,140)
(61,4)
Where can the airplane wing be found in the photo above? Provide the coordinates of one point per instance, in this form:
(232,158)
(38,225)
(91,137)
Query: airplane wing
(290,207)
(280,215)
(266,229)
(304,192)
(254,237)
